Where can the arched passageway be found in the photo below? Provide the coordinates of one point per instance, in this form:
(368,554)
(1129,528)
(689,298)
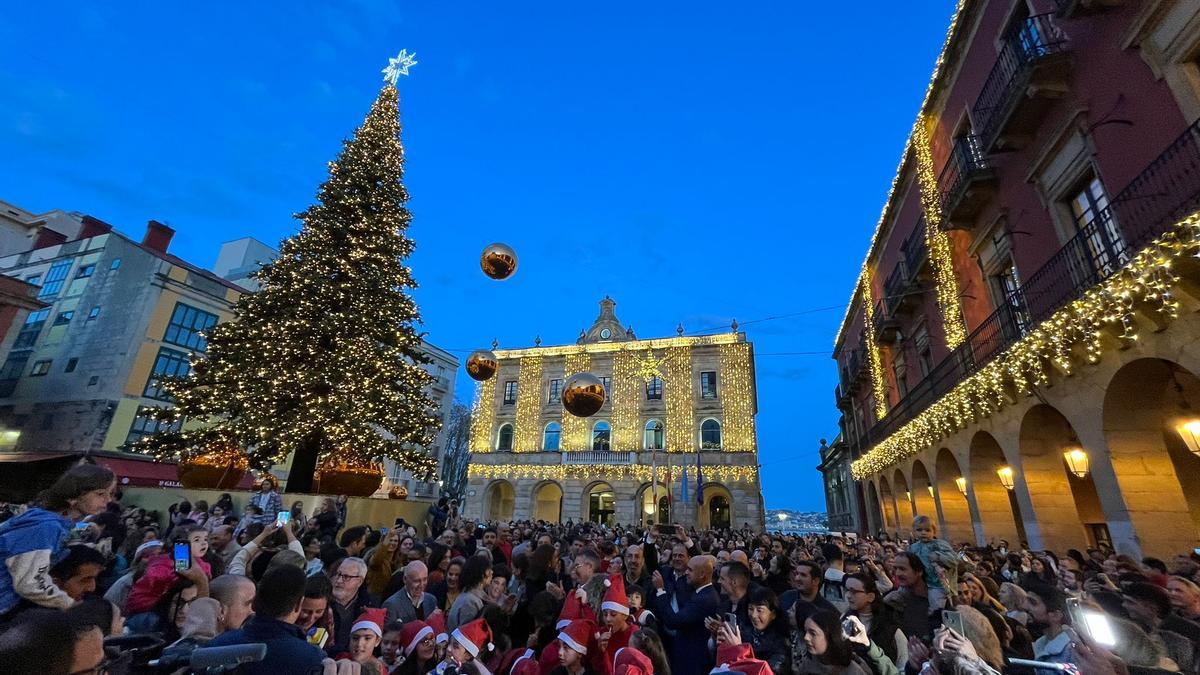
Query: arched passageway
(956,513)
(997,513)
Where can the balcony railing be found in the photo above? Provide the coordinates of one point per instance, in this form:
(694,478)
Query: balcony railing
(915,254)
(598,457)
(966,182)
(1015,79)
(1163,193)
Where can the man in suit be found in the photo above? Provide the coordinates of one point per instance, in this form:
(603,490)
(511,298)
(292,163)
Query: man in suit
(689,647)
(411,603)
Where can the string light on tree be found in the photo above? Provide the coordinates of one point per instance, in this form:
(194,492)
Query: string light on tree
(324,361)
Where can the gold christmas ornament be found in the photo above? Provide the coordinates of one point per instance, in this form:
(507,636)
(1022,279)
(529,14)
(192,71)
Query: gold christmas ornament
(583,395)
(398,492)
(482,365)
(498,261)
(221,468)
(349,477)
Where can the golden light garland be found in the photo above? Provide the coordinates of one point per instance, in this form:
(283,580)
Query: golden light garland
(955,26)
(576,434)
(483,414)
(606,347)
(938,243)
(1146,280)
(639,472)
(737,398)
(626,398)
(874,358)
(528,433)
(680,401)
(649,367)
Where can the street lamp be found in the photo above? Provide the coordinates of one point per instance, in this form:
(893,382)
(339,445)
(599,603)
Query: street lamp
(1006,477)
(962,485)
(1077,461)
(930,488)
(908,494)
(1189,431)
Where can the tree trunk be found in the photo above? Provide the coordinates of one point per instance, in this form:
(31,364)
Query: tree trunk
(304,467)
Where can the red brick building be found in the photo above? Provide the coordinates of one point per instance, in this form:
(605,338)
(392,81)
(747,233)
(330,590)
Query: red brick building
(1021,351)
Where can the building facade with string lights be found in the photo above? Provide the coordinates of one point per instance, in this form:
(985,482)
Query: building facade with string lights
(1021,353)
(668,401)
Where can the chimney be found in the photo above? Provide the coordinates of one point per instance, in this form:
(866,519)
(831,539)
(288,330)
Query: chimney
(47,237)
(93,227)
(158,236)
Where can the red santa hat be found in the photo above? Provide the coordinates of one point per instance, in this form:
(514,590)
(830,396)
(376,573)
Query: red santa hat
(412,634)
(372,620)
(578,635)
(437,621)
(630,661)
(614,595)
(526,664)
(740,659)
(572,610)
(474,637)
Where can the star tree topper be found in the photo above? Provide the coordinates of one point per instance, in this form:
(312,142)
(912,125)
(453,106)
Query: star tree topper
(650,367)
(399,66)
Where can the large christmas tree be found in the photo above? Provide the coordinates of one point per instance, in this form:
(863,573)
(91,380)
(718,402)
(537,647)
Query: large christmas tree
(324,361)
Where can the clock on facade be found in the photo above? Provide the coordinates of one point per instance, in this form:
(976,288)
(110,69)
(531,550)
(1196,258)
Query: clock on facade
(605,334)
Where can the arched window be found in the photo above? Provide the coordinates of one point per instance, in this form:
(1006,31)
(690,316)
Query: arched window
(551,437)
(601,436)
(504,439)
(654,435)
(710,435)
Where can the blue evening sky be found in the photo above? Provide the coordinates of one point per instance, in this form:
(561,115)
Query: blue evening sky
(697,161)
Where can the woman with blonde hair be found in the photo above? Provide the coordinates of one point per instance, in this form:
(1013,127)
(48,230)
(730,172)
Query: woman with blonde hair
(972,592)
(980,633)
(1013,597)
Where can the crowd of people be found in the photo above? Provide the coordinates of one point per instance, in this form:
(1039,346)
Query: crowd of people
(89,585)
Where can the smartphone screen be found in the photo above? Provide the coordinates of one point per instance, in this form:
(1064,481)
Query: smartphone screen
(1099,628)
(953,621)
(183,556)
(283,517)
(383,531)
(317,637)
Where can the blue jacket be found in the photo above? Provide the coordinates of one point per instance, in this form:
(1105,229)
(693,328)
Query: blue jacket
(288,653)
(689,647)
(30,545)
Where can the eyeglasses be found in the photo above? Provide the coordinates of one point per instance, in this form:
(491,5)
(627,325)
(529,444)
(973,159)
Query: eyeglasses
(346,577)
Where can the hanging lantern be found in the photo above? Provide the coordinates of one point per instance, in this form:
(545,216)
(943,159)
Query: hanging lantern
(219,468)
(908,494)
(1006,477)
(1189,431)
(347,476)
(1077,461)
(962,485)
(930,488)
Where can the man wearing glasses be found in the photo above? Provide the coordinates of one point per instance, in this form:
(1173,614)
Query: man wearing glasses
(349,600)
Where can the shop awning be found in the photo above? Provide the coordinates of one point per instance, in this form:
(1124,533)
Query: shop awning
(141,473)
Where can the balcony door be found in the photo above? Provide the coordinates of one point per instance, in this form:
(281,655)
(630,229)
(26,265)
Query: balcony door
(1096,223)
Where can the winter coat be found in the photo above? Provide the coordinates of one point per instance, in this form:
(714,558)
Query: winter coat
(30,544)
(156,582)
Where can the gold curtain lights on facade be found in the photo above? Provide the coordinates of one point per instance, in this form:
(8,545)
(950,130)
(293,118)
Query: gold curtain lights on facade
(625,393)
(483,417)
(1145,282)
(575,430)
(528,436)
(737,434)
(680,400)
(874,358)
(638,472)
(938,243)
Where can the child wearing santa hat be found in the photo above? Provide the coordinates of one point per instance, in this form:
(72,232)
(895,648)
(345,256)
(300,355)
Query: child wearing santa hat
(365,636)
(417,649)
(630,661)
(574,607)
(469,644)
(575,642)
(615,637)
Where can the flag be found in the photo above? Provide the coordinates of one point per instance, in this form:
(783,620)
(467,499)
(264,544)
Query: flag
(683,492)
(699,481)
(654,484)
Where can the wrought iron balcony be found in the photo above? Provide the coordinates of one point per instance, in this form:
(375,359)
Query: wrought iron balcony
(1167,190)
(599,457)
(1032,68)
(915,254)
(885,323)
(966,182)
